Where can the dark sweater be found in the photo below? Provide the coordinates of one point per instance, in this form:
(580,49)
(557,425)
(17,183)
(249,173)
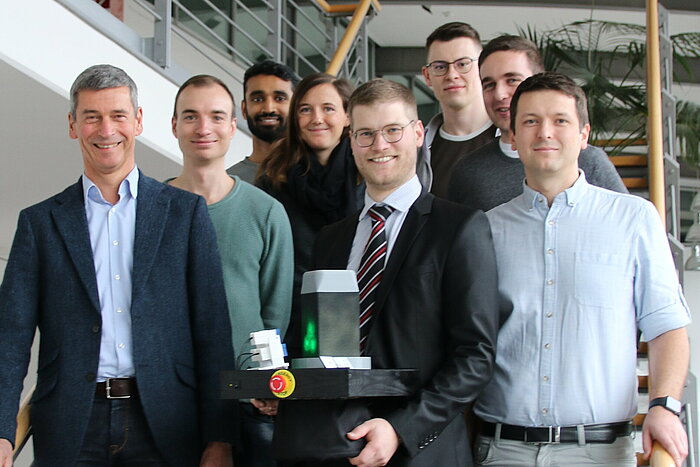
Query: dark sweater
(487,177)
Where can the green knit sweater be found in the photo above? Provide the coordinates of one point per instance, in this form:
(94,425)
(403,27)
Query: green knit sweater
(255,242)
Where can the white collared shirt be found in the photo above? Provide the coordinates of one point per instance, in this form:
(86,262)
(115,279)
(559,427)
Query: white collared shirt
(401,201)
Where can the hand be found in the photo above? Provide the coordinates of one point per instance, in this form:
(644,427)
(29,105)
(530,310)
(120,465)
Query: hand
(217,454)
(266,406)
(662,426)
(5,453)
(382,443)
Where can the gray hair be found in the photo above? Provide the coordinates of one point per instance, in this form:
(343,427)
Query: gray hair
(99,77)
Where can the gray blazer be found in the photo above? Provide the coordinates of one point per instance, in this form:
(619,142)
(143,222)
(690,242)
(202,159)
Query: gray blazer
(180,325)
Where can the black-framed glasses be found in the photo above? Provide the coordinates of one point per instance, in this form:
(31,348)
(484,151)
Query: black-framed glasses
(391,134)
(440,67)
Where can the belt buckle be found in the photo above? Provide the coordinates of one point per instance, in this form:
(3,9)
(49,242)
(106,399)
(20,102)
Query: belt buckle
(108,390)
(553,432)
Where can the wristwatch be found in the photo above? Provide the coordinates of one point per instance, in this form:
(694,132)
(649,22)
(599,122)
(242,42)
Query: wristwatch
(668,403)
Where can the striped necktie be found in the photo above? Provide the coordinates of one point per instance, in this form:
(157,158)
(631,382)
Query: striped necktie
(369,275)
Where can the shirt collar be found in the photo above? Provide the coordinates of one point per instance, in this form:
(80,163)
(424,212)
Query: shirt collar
(400,199)
(130,184)
(573,194)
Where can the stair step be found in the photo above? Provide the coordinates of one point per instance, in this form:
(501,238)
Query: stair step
(629,160)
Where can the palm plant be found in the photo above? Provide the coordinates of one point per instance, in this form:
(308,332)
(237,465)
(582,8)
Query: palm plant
(608,59)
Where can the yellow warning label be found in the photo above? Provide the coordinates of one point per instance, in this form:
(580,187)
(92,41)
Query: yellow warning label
(282,383)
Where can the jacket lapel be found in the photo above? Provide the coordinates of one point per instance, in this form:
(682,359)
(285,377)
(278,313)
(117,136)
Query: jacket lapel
(415,220)
(71,222)
(152,208)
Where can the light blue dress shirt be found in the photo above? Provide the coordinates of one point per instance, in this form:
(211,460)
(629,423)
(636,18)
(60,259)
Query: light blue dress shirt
(582,275)
(401,200)
(112,240)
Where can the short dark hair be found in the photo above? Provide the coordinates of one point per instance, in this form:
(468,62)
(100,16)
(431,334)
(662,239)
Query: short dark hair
(269,67)
(199,81)
(98,77)
(551,81)
(514,44)
(450,31)
(383,90)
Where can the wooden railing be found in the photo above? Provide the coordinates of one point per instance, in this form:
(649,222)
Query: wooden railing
(24,426)
(359,12)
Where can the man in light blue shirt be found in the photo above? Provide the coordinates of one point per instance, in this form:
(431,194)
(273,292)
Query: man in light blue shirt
(584,268)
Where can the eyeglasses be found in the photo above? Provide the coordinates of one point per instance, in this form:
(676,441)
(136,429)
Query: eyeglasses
(391,134)
(440,67)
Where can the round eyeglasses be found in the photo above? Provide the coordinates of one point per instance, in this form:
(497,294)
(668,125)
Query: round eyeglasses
(391,134)
(440,67)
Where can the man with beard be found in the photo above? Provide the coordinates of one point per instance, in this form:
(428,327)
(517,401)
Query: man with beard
(267,91)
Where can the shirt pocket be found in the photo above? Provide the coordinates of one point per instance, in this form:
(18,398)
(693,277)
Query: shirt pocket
(603,280)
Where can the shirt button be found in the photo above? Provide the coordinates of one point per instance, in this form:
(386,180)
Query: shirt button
(121,345)
(119,310)
(111,210)
(550,282)
(117,277)
(545,411)
(551,222)
(550,251)
(549,315)
(545,379)
(115,243)
(547,346)
(96,328)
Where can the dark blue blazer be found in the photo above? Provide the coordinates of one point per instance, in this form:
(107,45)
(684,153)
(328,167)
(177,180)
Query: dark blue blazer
(180,326)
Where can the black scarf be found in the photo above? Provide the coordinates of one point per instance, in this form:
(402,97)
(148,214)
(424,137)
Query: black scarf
(327,194)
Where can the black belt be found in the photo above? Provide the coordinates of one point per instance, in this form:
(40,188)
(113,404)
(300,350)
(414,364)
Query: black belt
(117,388)
(603,433)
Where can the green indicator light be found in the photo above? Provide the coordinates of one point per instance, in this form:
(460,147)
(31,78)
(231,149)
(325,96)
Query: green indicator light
(310,346)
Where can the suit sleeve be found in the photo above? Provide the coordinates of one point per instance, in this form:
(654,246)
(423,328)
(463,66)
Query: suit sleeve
(277,272)
(19,294)
(211,329)
(470,316)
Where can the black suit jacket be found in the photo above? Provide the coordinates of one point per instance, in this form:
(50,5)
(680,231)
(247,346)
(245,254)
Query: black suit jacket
(179,323)
(436,310)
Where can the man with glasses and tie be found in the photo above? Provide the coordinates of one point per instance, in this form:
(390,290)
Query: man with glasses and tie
(427,273)
(452,71)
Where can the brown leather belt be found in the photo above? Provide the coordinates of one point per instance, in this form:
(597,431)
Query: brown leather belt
(601,433)
(117,388)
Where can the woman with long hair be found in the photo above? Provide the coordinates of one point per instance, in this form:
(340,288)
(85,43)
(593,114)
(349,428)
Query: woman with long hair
(312,173)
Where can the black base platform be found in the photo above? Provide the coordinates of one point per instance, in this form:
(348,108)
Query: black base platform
(321,383)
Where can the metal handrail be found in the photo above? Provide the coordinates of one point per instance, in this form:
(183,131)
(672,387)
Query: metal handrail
(299,10)
(218,39)
(286,35)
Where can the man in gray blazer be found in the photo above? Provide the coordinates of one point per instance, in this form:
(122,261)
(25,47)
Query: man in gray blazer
(121,274)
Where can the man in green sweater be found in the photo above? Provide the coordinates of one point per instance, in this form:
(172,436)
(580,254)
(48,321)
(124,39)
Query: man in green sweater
(254,238)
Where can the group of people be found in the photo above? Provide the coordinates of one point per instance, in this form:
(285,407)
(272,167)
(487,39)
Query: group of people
(529,313)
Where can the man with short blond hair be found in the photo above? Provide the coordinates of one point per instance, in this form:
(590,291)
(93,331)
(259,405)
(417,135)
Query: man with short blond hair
(435,307)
